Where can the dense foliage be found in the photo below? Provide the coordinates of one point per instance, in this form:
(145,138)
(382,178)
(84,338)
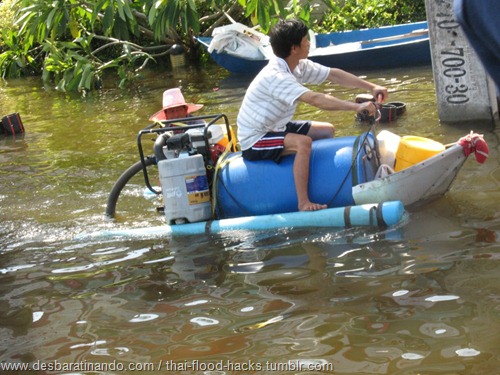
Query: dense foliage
(360,14)
(72,43)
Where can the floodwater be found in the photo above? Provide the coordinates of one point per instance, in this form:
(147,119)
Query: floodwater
(421,298)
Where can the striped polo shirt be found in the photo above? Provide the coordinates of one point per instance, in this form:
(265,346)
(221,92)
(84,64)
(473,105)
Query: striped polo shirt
(271,99)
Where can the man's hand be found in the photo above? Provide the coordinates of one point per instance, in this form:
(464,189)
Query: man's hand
(380,93)
(367,109)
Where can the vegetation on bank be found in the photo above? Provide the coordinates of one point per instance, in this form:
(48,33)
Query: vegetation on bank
(72,43)
(361,14)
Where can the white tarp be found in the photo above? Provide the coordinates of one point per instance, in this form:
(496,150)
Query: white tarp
(239,40)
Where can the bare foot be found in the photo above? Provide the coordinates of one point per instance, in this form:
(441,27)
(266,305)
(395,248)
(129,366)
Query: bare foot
(310,206)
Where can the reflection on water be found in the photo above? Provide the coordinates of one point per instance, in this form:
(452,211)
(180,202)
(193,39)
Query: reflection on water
(419,298)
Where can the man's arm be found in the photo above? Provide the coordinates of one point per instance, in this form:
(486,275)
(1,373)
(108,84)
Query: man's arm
(343,78)
(331,103)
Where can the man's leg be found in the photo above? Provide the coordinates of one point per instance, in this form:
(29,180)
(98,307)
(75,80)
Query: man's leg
(301,146)
(321,130)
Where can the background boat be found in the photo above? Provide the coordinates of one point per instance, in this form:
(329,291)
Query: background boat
(377,48)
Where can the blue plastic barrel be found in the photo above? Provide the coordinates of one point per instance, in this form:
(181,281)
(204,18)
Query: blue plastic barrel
(249,188)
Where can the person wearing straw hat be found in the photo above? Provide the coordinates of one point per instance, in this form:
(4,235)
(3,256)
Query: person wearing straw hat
(175,107)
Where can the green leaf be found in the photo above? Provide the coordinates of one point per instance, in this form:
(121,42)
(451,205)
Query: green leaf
(192,18)
(73,84)
(70,45)
(128,12)
(192,22)
(172,13)
(160,25)
(86,77)
(123,83)
(60,86)
(50,18)
(263,17)
(45,75)
(61,22)
(97,9)
(74,28)
(120,29)
(41,32)
(24,21)
(251,7)
(152,15)
(108,20)
(121,13)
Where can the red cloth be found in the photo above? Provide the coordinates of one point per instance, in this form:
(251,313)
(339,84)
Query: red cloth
(474,143)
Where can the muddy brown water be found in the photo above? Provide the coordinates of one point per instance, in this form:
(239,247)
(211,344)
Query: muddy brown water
(421,298)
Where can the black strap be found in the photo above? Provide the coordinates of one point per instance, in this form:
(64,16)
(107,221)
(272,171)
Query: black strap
(208,227)
(356,148)
(347,216)
(380,217)
(376,216)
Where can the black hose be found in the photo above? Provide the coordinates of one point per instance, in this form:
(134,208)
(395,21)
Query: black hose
(161,141)
(122,181)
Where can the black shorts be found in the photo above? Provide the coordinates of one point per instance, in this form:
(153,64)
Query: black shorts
(270,146)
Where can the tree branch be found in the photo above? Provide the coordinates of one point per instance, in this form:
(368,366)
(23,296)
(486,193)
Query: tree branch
(221,15)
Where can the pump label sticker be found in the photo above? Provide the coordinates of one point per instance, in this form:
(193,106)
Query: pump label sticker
(197,189)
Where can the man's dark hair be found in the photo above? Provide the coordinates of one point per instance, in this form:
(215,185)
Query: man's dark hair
(285,34)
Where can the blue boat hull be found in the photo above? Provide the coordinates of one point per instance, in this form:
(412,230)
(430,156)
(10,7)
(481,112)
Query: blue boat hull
(400,52)
(246,188)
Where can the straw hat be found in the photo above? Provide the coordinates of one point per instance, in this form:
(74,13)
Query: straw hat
(173,98)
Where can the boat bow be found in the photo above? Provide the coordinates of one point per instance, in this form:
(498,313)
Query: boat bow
(416,185)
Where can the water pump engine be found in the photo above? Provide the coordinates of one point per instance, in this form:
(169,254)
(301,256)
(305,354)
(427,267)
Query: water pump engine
(184,181)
